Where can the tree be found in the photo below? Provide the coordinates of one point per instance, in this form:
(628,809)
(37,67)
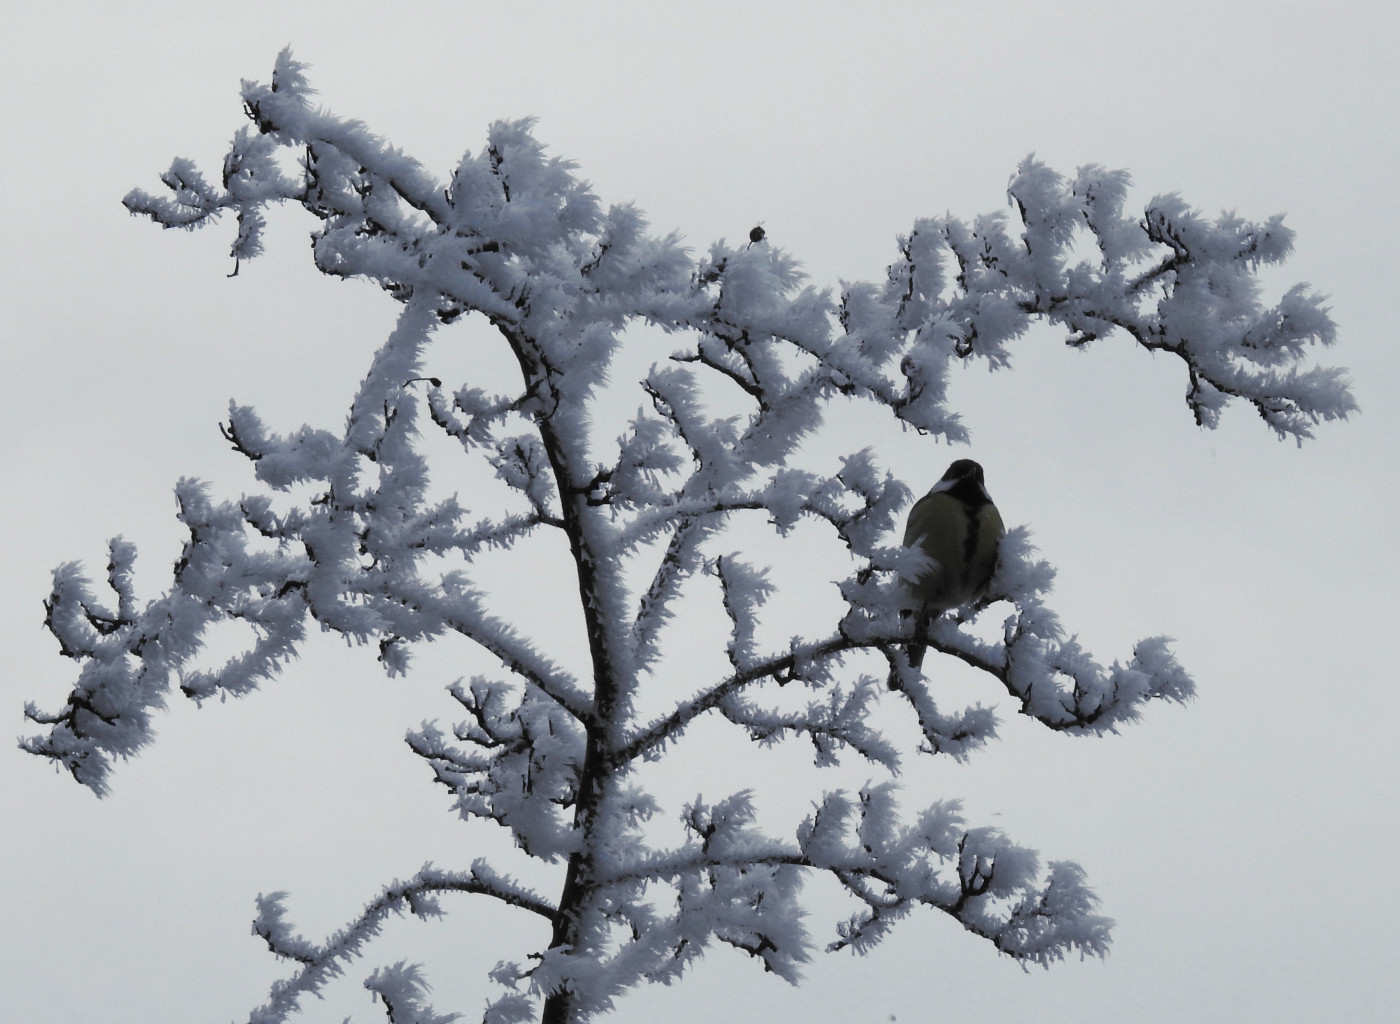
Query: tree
(550,753)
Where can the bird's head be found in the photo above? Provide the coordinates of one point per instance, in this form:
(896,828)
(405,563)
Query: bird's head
(965,481)
(964,469)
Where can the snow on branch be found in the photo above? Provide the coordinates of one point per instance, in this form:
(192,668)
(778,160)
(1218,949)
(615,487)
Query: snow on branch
(1197,296)
(350,560)
(524,770)
(730,878)
(320,964)
(1055,680)
(977,876)
(403,990)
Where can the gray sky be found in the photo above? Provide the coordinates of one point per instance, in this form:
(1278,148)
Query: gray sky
(1244,843)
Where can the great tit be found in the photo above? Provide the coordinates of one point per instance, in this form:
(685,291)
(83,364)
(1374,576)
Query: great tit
(959,529)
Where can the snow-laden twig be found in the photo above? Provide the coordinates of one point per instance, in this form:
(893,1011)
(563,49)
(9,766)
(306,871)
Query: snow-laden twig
(321,964)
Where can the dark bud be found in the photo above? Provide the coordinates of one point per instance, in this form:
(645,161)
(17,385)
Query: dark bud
(756,235)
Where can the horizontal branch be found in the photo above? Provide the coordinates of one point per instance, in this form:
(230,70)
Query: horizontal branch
(781,668)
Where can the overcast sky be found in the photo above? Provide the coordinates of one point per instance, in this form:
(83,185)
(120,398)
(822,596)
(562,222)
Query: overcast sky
(1244,844)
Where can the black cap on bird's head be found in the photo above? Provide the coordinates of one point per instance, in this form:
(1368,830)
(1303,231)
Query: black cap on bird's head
(964,468)
(965,481)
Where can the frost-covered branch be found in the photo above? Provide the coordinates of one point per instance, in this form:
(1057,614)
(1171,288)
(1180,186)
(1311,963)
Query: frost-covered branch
(403,990)
(524,772)
(728,869)
(351,560)
(323,963)
(1198,301)
(977,876)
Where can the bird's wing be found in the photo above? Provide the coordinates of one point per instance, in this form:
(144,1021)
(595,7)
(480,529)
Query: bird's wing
(989,533)
(938,526)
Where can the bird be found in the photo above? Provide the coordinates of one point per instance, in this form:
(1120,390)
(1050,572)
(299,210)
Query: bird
(958,527)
